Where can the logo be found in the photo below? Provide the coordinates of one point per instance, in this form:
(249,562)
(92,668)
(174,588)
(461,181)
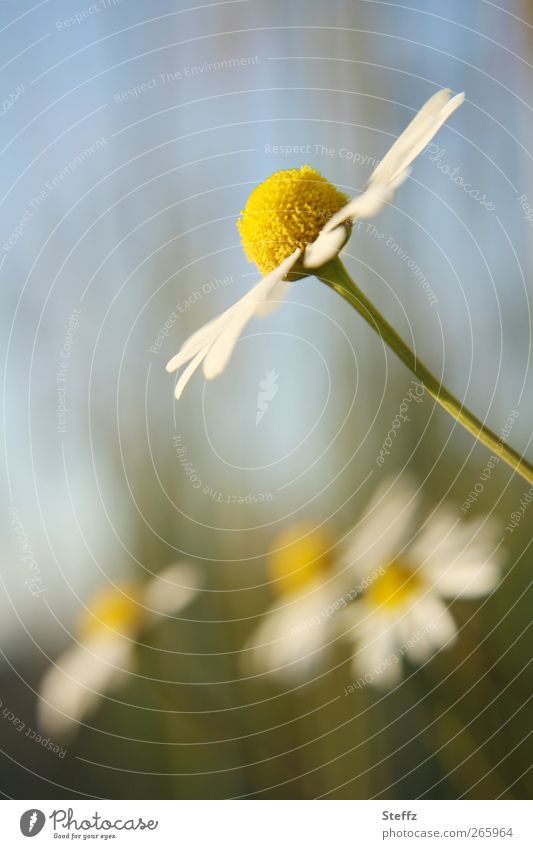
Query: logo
(268,389)
(32,822)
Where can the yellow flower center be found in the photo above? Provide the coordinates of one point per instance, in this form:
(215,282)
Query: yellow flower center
(302,554)
(115,608)
(397,585)
(286,212)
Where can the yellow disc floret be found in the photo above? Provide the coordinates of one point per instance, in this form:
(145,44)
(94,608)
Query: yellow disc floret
(113,608)
(286,212)
(397,585)
(301,555)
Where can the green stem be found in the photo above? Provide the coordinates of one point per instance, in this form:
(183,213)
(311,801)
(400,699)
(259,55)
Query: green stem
(334,274)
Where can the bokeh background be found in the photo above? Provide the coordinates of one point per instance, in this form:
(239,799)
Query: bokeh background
(130,139)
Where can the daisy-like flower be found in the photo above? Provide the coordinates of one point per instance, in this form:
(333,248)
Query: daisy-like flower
(405,610)
(293,636)
(385,589)
(103,653)
(296,222)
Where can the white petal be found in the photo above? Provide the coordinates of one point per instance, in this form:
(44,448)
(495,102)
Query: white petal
(426,627)
(172,590)
(366,205)
(385,527)
(74,685)
(444,632)
(222,348)
(189,371)
(273,302)
(389,672)
(417,135)
(436,535)
(221,333)
(459,558)
(376,656)
(393,169)
(278,292)
(293,635)
(445,535)
(433,621)
(465,580)
(202,337)
(326,246)
(415,641)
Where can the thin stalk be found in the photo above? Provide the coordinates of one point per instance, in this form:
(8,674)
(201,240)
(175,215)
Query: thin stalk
(334,275)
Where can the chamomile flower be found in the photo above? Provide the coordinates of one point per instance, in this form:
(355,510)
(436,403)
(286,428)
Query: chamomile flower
(405,609)
(103,653)
(385,589)
(294,223)
(293,636)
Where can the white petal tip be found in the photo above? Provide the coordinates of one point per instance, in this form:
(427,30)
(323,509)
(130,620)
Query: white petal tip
(173,589)
(455,102)
(212,370)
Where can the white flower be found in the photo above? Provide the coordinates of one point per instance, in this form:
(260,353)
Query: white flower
(103,655)
(405,610)
(293,636)
(383,589)
(282,231)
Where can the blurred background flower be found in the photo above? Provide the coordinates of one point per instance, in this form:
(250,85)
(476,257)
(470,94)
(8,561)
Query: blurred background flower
(294,634)
(104,650)
(132,138)
(403,611)
(384,589)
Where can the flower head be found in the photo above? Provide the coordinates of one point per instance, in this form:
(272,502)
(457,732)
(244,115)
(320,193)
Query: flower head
(293,224)
(103,653)
(286,213)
